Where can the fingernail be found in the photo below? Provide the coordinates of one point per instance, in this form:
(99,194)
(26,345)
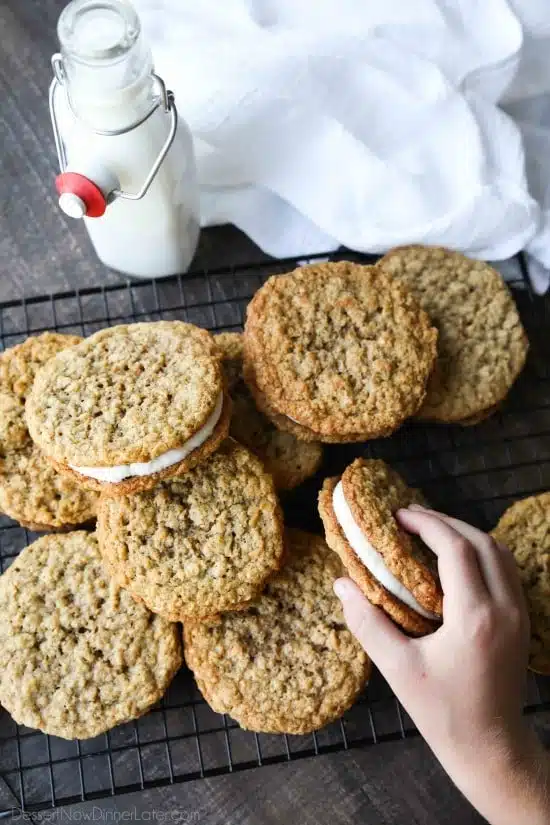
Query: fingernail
(343,588)
(402,511)
(415,506)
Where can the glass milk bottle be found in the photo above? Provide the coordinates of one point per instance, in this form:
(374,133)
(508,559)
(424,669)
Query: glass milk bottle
(127,162)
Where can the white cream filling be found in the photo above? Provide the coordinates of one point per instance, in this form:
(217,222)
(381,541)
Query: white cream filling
(370,557)
(113,475)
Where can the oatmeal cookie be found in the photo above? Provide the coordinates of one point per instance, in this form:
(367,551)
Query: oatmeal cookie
(79,655)
(482,345)
(288,664)
(31,491)
(341,349)
(198,544)
(525,530)
(289,460)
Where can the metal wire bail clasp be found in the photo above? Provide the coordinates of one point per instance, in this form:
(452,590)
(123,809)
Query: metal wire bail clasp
(165,99)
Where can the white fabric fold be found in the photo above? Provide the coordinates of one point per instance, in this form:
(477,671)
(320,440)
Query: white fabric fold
(327,122)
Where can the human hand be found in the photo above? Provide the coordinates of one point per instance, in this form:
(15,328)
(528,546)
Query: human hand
(462,685)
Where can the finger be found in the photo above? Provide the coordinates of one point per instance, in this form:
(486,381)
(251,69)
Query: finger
(459,570)
(498,567)
(374,631)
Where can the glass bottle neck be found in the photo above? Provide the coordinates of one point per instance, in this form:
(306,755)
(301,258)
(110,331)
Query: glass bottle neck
(107,66)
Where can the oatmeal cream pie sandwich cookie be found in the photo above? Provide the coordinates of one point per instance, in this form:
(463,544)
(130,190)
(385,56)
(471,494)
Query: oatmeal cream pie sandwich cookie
(289,460)
(394,569)
(198,544)
(131,405)
(287,664)
(482,345)
(31,491)
(343,351)
(79,655)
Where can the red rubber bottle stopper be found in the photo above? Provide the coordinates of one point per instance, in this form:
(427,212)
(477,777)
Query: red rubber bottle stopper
(79,196)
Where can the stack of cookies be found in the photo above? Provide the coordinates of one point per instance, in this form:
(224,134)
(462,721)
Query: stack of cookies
(134,422)
(180,443)
(340,352)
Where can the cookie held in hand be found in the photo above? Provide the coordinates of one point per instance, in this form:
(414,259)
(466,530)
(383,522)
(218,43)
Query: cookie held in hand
(395,570)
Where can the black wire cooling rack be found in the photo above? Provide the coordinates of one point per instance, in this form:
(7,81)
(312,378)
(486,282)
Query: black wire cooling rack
(474,473)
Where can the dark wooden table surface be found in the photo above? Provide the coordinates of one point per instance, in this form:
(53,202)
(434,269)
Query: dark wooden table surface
(41,250)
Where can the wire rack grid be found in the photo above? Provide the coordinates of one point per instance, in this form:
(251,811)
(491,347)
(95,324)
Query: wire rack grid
(473,472)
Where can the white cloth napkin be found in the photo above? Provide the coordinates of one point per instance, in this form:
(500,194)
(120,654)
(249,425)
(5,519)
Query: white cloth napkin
(369,124)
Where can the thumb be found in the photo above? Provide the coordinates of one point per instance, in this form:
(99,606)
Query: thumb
(372,628)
